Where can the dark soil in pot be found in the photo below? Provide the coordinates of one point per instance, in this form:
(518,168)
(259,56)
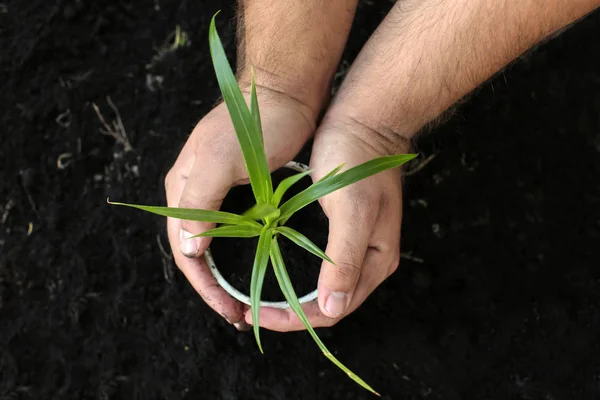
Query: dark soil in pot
(234,257)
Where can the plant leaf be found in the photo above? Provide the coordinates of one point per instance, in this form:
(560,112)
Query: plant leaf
(260,211)
(333,172)
(290,295)
(284,185)
(239,231)
(303,242)
(246,129)
(254,110)
(261,261)
(343,179)
(219,217)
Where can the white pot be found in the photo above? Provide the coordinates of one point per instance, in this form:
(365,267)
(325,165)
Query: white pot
(241,296)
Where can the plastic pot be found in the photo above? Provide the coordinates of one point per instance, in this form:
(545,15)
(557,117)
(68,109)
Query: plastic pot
(244,298)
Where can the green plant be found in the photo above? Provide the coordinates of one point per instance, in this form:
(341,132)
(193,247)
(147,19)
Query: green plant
(267,218)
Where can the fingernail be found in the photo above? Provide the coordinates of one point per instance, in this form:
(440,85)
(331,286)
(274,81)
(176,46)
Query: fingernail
(188,246)
(336,303)
(242,326)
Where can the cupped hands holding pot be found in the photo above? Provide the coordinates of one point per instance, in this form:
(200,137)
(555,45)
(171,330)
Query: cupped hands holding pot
(364,218)
(422,58)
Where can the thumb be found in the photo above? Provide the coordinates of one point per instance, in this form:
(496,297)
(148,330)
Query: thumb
(206,187)
(350,228)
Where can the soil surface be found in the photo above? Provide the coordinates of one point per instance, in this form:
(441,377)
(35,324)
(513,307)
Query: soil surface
(497,295)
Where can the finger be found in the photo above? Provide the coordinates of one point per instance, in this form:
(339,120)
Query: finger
(352,217)
(205,188)
(380,260)
(286,320)
(195,269)
(198,274)
(383,256)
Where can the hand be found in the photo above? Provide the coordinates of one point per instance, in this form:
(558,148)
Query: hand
(209,164)
(364,224)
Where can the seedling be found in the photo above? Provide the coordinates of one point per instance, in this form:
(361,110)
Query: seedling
(267,218)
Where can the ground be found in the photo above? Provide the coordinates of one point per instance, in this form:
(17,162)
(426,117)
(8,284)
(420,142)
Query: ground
(497,295)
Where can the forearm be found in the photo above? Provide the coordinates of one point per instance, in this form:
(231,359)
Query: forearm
(428,54)
(294,46)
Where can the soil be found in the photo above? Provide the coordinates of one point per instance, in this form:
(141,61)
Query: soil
(498,291)
(234,256)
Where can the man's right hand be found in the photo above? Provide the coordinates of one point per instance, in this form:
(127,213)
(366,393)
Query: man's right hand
(209,164)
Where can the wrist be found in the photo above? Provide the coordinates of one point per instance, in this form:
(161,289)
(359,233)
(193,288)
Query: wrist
(379,106)
(371,135)
(294,47)
(275,95)
(310,94)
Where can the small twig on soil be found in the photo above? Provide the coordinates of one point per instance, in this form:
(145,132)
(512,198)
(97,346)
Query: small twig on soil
(175,40)
(181,38)
(32,204)
(162,248)
(64,119)
(75,78)
(420,166)
(409,256)
(119,124)
(9,205)
(31,201)
(167,270)
(82,76)
(64,160)
(166,261)
(117,130)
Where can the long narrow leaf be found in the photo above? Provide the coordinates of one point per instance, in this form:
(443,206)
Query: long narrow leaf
(284,185)
(237,231)
(332,172)
(260,211)
(246,129)
(219,217)
(341,180)
(290,295)
(261,261)
(254,110)
(303,242)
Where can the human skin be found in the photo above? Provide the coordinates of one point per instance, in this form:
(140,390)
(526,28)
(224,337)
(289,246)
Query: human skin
(294,51)
(424,56)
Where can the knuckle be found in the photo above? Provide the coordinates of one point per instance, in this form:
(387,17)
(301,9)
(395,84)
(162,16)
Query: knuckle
(186,201)
(193,196)
(346,271)
(190,196)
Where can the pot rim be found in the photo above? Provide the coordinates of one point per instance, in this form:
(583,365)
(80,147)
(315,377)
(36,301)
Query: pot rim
(236,294)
